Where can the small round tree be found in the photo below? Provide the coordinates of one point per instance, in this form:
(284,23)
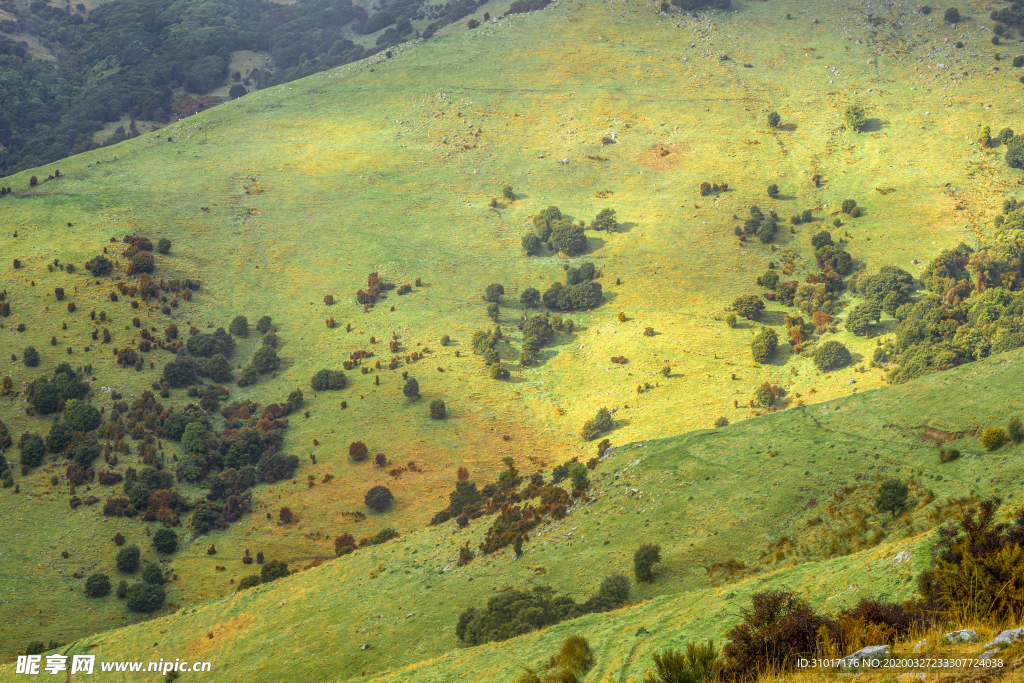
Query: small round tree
(97,585)
(437,409)
(508,193)
(411,389)
(81,416)
(605,220)
(239,326)
(127,560)
(831,356)
(530,297)
(749,306)
(644,559)
(152,575)
(764,345)
(165,541)
(494,292)
(578,476)
(145,597)
(774,119)
(892,497)
(378,498)
(1015,152)
(249,581)
(616,588)
(952,15)
(163,245)
(99,266)
(33,451)
(531,244)
(263,324)
(30,357)
(1015,430)
(773,190)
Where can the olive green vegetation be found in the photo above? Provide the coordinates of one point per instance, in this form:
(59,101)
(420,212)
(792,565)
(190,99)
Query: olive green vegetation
(787,455)
(281,168)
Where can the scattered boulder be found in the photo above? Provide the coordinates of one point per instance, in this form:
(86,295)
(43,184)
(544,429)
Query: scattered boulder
(987,655)
(862,658)
(1006,638)
(964,636)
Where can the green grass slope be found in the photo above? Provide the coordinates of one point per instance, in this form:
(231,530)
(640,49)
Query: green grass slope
(706,497)
(298,191)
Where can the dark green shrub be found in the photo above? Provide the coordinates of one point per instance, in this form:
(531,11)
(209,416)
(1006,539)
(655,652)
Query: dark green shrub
(605,220)
(207,345)
(1006,134)
(766,233)
(1015,430)
(99,266)
(328,379)
(163,245)
(855,117)
(822,239)
(265,360)
(437,409)
(152,575)
(807,216)
(127,560)
(849,205)
(543,222)
(568,238)
(45,399)
(411,389)
(165,541)
(263,324)
(892,497)
(179,373)
(33,450)
(194,438)
(764,344)
(644,559)
(382,536)
(952,15)
(97,585)
(531,244)
(145,597)
(601,422)
(769,279)
(122,589)
(749,306)
(249,581)
(774,119)
(497,371)
(616,588)
(378,498)
(239,326)
(59,437)
(860,318)
(494,292)
(493,311)
(188,469)
(773,190)
(578,476)
(273,570)
(82,416)
(831,356)
(1015,152)
(529,298)
(721,422)
(30,357)
(85,453)
(142,262)
(507,192)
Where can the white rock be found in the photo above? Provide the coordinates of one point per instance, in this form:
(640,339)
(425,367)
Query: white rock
(964,636)
(864,655)
(987,655)
(1007,638)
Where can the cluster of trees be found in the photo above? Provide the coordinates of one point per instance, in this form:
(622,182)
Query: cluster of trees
(974,305)
(550,227)
(515,612)
(764,227)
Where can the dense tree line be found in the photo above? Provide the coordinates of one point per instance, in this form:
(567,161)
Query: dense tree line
(141,57)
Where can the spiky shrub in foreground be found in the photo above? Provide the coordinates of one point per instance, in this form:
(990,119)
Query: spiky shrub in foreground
(696,665)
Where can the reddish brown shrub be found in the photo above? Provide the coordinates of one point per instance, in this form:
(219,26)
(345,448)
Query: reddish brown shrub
(357,451)
(286,515)
(462,474)
(344,544)
(380,460)
(118,538)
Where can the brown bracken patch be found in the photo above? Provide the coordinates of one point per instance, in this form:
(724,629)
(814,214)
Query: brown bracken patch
(661,156)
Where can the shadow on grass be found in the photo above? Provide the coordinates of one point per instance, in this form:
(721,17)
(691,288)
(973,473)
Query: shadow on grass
(787,127)
(626,227)
(593,244)
(872,126)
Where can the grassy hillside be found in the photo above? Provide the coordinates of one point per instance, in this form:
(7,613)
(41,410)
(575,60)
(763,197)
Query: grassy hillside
(706,497)
(389,165)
